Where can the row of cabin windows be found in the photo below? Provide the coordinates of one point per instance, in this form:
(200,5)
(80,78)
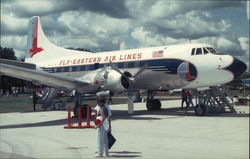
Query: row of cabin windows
(202,51)
(96,66)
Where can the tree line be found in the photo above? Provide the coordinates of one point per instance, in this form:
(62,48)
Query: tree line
(6,82)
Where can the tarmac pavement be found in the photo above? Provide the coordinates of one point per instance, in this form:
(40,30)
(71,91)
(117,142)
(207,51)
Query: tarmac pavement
(170,133)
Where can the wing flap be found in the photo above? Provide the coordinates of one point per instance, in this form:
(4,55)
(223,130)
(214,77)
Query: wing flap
(38,76)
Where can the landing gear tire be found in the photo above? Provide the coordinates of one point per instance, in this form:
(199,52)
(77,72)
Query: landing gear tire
(153,104)
(157,104)
(150,105)
(200,110)
(83,111)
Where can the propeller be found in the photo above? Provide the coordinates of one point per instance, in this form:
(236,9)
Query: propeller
(129,78)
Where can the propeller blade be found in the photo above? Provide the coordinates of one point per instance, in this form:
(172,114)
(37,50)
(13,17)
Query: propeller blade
(130,79)
(141,70)
(114,67)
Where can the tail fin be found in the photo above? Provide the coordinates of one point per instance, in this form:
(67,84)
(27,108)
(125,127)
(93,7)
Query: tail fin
(35,37)
(39,47)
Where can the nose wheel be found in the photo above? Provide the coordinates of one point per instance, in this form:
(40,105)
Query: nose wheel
(200,110)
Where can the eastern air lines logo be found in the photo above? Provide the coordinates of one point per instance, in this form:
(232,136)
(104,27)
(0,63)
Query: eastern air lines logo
(187,71)
(35,49)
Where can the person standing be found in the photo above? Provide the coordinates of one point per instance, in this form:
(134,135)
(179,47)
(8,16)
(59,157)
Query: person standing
(109,117)
(110,100)
(184,97)
(190,99)
(34,100)
(102,127)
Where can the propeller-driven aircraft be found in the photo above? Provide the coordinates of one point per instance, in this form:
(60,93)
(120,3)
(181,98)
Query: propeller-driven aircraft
(184,66)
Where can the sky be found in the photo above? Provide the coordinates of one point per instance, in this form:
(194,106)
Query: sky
(108,25)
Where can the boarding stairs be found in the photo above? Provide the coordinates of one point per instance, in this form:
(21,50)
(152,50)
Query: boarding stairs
(47,97)
(216,100)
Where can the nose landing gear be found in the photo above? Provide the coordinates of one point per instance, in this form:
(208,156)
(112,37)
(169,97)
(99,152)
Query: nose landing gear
(200,110)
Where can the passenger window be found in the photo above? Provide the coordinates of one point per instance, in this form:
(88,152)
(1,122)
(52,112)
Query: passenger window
(198,51)
(205,51)
(126,65)
(137,63)
(120,65)
(82,68)
(74,68)
(62,69)
(78,68)
(87,68)
(59,69)
(66,69)
(193,50)
(130,64)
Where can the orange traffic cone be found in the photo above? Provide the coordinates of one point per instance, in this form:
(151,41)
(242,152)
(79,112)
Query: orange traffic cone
(88,119)
(69,119)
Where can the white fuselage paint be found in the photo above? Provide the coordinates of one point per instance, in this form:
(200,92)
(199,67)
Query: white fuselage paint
(162,72)
(209,66)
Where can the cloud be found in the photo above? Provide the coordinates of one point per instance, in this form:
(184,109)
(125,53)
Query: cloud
(53,27)
(147,38)
(11,25)
(17,42)
(103,31)
(147,9)
(29,8)
(191,25)
(244,42)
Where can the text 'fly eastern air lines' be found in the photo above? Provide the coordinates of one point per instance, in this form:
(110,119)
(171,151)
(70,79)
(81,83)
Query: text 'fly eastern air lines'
(105,59)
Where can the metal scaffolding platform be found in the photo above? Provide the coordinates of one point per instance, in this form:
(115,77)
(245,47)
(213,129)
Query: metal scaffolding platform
(213,100)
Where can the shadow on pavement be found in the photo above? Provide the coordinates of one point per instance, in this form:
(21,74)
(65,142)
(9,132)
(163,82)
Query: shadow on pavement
(124,154)
(170,113)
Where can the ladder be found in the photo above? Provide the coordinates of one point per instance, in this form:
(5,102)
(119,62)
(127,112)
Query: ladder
(215,99)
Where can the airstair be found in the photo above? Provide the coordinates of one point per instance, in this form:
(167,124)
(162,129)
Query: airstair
(214,100)
(48,96)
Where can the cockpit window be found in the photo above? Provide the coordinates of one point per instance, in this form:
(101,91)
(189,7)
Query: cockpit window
(193,50)
(202,51)
(205,51)
(210,49)
(198,51)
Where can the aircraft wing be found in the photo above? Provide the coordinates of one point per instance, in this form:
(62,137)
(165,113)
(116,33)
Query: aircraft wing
(39,76)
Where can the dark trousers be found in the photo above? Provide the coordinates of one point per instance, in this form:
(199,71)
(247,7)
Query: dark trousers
(34,105)
(184,100)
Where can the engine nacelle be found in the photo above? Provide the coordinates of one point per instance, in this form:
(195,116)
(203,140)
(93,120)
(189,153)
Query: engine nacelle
(105,79)
(111,80)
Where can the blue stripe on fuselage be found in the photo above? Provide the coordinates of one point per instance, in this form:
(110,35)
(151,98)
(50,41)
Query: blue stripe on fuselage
(166,65)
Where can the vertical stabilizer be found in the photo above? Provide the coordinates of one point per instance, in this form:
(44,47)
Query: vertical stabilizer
(33,40)
(39,48)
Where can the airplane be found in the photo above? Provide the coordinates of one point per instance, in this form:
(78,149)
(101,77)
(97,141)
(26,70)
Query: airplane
(182,66)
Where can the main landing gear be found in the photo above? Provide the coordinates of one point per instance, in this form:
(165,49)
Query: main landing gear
(152,104)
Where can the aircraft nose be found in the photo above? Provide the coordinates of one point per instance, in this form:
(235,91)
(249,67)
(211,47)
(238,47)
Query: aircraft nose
(237,67)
